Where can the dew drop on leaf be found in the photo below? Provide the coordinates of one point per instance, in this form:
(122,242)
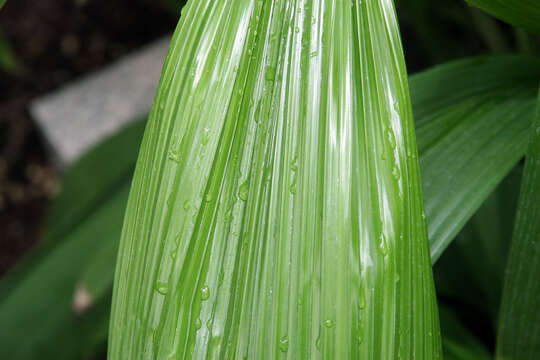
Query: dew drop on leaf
(205,293)
(396,173)
(243,191)
(206,136)
(329,323)
(391,139)
(284,344)
(187,205)
(292,187)
(362,299)
(383,245)
(162,287)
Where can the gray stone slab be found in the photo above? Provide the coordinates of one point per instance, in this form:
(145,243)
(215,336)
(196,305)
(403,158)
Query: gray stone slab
(78,116)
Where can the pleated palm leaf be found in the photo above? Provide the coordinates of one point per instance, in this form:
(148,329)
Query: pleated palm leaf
(276,209)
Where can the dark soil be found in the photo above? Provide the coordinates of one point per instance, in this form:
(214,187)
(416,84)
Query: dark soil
(55,41)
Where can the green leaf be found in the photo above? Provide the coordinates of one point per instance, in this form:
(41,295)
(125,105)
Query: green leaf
(472,119)
(84,225)
(44,303)
(519,323)
(277,204)
(488,233)
(8,60)
(458,342)
(521,13)
(2,3)
(85,187)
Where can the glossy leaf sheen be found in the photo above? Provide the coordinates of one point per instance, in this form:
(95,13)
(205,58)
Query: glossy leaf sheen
(276,207)
(519,322)
(522,13)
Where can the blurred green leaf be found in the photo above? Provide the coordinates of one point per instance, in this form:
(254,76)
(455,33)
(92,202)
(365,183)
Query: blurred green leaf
(38,297)
(44,302)
(85,186)
(458,342)
(521,13)
(472,281)
(2,3)
(519,323)
(8,60)
(276,206)
(472,119)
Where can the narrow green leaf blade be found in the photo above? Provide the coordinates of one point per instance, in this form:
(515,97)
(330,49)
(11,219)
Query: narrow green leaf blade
(519,322)
(97,176)
(44,303)
(489,233)
(458,342)
(521,13)
(277,204)
(84,226)
(472,119)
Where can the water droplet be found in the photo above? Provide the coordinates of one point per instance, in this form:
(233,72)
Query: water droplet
(243,191)
(205,293)
(359,337)
(174,156)
(292,187)
(198,324)
(162,287)
(391,139)
(318,343)
(313,54)
(423,215)
(284,344)
(173,254)
(208,197)
(187,205)
(383,246)
(396,277)
(409,153)
(362,299)
(206,136)
(297,29)
(294,164)
(329,323)
(396,173)
(258,112)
